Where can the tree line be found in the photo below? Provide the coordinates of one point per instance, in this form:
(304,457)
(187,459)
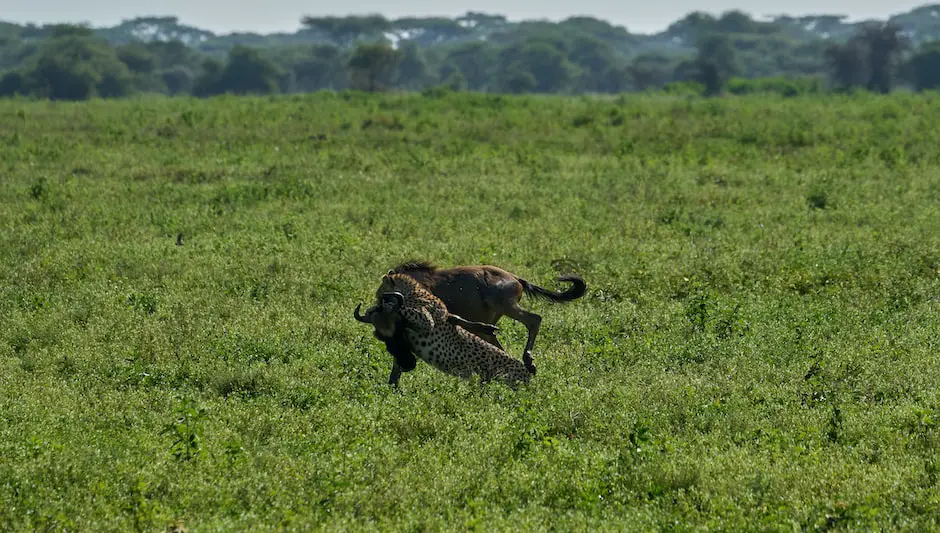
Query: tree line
(477,52)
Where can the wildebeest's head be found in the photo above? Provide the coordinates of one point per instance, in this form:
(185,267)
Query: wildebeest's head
(385,315)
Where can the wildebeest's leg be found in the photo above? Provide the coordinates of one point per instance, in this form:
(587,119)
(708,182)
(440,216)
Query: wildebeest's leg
(400,348)
(492,340)
(487,336)
(485,332)
(531,321)
(477,328)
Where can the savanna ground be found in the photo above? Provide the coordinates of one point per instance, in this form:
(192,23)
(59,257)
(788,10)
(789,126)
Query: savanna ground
(757,349)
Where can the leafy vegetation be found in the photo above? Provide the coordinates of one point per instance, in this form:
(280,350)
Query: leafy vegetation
(476,52)
(757,349)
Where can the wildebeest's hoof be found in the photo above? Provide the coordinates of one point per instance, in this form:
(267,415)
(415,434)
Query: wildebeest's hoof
(528,362)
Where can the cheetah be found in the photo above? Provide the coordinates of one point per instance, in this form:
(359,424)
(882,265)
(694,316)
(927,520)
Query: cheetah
(441,339)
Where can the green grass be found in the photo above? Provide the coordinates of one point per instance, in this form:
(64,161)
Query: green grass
(758,349)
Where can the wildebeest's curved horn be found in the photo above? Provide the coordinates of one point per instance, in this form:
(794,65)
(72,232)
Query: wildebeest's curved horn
(393,300)
(367,318)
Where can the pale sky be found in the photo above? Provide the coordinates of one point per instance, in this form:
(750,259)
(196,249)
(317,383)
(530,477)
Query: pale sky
(223,16)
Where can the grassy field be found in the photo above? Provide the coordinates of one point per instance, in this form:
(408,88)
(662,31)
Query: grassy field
(758,349)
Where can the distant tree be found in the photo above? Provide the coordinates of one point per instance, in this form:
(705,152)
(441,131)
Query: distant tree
(482,21)
(72,65)
(208,82)
(711,77)
(373,66)
(137,57)
(520,81)
(322,69)
(172,53)
(546,63)
(70,30)
(594,58)
(344,31)
(735,22)
(177,79)
(452,78)
(649,71)
(690,28)
(412,68)
(715,63)
(685,70)
(12,83)
(58,80)
(474,61)
(848,64)
(925,66)
(428,31)
(596,28)
(885,43)
(247,72)
(807,58)
(870,59)
(616,79)
(155,29)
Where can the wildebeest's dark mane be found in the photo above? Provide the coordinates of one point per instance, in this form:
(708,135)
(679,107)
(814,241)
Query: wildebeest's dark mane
(412,266)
